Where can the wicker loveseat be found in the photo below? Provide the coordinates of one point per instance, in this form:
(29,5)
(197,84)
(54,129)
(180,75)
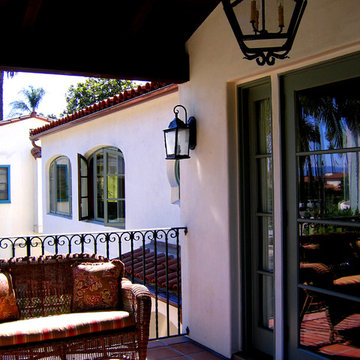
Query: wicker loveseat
(71,307)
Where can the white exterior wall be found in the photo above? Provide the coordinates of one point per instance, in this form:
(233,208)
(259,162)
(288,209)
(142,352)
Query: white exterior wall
(211,279)
(20,216)
(137,132)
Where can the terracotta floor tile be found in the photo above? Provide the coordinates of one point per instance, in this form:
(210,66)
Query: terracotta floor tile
(178,348)
(204,355)
(161,353)
(155,344)
(187,348)
(174,340)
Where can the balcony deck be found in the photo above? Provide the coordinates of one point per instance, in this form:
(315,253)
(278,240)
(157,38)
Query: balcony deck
(153,257)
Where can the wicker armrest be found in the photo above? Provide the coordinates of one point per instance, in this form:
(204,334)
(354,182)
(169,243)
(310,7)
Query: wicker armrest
(136,299)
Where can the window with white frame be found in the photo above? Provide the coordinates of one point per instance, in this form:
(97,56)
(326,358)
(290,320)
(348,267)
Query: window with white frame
(5,184)
(60,186)
(102,187)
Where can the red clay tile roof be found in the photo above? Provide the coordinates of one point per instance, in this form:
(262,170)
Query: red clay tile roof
(33,115)
(137,270)
(101,105)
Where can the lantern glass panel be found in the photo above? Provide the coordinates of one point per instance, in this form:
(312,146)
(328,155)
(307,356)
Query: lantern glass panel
(170,141)
(183,142)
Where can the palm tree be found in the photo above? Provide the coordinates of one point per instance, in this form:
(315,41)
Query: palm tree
(32,101)
(339,113)
(9,74)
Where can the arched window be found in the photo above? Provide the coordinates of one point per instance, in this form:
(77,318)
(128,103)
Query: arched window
(60,186)
(102,187)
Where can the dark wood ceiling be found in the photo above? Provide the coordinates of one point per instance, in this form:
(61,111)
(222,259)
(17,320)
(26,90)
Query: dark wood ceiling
(134,39)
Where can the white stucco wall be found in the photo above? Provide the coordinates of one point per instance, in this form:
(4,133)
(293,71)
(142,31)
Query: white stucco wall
(20,216)
(137,132)
(211,285)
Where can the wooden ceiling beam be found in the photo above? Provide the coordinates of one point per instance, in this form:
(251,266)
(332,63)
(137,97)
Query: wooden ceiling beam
(31,13)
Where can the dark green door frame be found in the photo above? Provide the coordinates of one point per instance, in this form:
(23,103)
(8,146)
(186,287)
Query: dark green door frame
(256,335)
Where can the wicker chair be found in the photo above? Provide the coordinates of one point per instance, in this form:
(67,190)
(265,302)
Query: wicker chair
(44,291)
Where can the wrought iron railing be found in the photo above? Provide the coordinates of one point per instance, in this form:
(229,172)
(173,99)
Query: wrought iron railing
(152,257)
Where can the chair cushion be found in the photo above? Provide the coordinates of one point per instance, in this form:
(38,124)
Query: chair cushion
(8,307)
(347,280)
(61,326)
(96,286)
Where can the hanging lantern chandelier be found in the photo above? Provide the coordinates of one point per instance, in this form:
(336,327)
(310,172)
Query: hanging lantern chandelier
(271,31)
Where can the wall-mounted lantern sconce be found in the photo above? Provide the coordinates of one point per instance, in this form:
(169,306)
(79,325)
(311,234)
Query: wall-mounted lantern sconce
(180,136)
(271,31)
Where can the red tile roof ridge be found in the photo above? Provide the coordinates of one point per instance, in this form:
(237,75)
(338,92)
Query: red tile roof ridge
(103,104)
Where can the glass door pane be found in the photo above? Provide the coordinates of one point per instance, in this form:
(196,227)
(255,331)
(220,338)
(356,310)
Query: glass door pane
(328,187)
(264,174)
(321,125)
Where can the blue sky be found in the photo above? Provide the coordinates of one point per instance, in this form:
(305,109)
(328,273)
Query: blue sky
(55,87)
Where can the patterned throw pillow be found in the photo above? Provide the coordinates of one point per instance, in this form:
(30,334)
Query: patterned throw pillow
(96,286)
(8,307)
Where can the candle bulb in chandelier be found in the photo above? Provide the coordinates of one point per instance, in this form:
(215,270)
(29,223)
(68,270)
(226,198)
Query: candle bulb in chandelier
(281,15)
(257,20)
(253,11)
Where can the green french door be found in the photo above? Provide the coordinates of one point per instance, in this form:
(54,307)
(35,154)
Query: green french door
(257,210)
(321,153)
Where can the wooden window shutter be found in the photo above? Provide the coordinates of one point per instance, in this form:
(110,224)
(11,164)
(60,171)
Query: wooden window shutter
(83,193)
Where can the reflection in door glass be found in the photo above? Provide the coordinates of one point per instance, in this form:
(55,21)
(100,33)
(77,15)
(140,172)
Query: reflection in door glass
(329,117)
(265,184)
(267,234)
(328,164)
(267,315)
(263,114)
(328,185)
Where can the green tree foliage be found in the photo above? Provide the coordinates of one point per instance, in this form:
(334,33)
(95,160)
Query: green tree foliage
(32,101)
(92,91)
